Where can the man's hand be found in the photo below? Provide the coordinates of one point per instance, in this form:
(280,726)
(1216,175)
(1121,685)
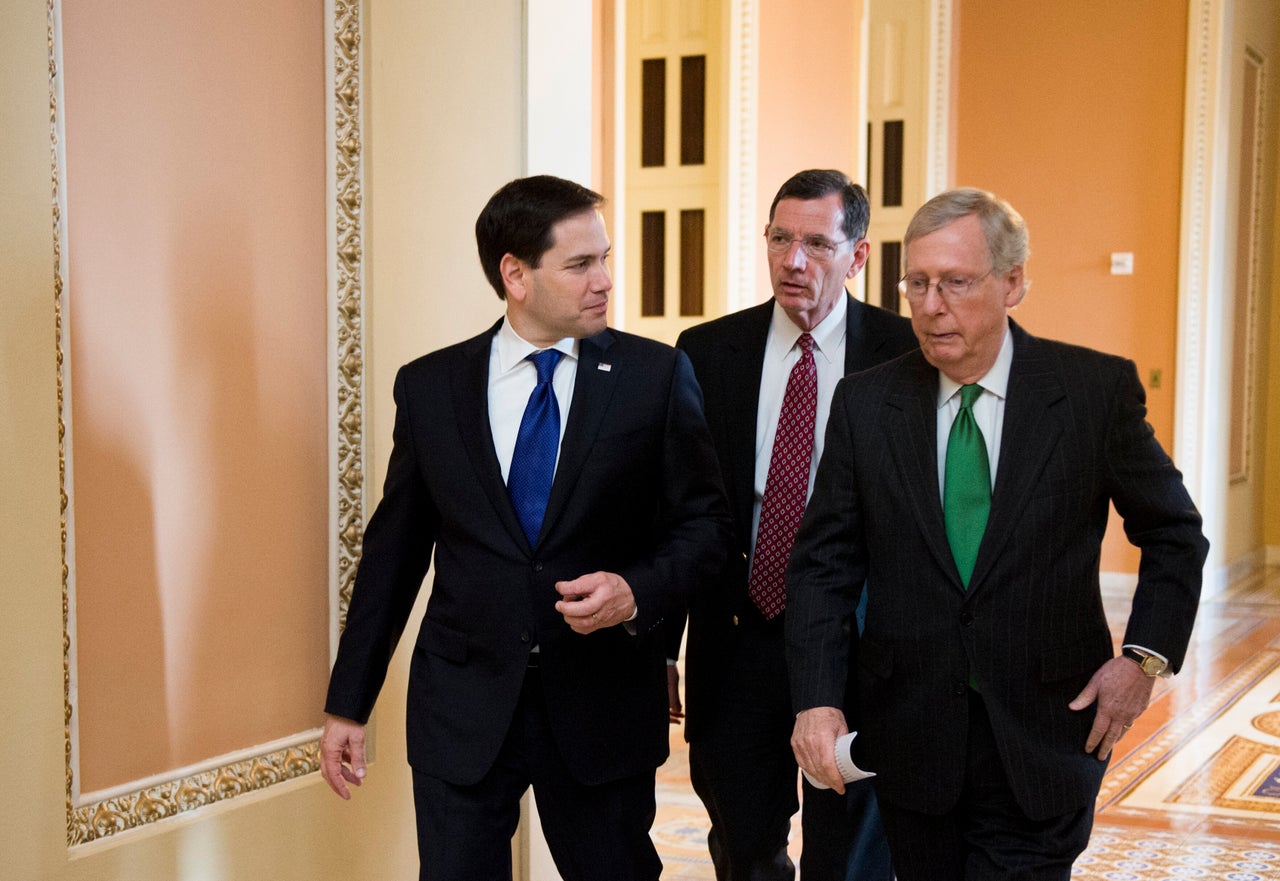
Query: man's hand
(594,602)
(814,742)
(675,709)
(342,754)
(1122,692)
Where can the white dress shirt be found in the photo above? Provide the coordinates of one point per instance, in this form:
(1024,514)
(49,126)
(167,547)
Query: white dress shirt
(781,352)
(511,381)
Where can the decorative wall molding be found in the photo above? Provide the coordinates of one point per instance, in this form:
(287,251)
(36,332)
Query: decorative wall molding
(347,175)
(99,815)
(1205,41)
(940,153)
(743,140)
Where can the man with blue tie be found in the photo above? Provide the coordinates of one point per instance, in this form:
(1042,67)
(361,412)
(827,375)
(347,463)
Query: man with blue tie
(968,485)
(561,478)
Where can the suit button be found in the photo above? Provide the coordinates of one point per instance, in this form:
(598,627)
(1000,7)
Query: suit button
(524,636)
(966,617)
(735,620)
(537,567)
(958,688)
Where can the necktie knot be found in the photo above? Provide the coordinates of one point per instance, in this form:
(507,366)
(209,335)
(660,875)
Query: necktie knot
(969,394)
(806,344)
(545,361)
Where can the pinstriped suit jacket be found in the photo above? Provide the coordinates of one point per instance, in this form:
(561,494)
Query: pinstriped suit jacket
(1031,629)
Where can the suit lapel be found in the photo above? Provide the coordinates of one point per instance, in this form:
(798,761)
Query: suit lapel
(598,370)
(912,429)
(471,411)
(1031,432)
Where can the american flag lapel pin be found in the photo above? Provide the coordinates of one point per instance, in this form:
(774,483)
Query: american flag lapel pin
(605,367)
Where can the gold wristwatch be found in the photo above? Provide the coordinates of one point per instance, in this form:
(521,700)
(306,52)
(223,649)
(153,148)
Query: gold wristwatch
(1152,665)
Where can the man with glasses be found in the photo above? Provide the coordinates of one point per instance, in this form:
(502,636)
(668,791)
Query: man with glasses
(968,485)
(767,374)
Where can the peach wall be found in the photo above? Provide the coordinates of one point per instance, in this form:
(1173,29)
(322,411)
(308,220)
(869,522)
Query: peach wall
(426,67)
(198,307)
(809,105)
(1073,112)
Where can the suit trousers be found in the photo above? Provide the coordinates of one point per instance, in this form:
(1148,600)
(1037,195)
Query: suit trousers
(595,833)
(986,836)
(743,769)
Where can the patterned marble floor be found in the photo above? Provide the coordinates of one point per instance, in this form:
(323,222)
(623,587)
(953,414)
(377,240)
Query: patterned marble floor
(1194,790)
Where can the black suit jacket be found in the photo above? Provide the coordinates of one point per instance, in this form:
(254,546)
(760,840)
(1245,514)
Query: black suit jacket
(636,492)
(728,357)
(1030,629)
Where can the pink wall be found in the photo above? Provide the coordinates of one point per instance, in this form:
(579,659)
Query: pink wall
(197,318)
(809,97)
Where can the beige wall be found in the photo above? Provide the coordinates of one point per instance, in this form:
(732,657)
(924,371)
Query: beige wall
(444,91)
(1251,503)
(1269,392)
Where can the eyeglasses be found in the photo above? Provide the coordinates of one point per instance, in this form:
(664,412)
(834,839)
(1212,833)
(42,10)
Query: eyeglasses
(916,287)
(779,241)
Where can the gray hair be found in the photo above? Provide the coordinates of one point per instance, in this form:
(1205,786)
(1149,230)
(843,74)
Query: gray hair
(1004,228)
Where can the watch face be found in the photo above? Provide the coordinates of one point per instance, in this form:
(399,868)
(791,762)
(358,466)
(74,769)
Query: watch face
(1152,665)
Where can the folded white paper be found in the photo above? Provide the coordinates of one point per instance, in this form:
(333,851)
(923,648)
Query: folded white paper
(844,761)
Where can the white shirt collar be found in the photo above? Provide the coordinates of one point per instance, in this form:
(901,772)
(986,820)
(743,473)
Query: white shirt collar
(996,379)
(826,336)
(513,348)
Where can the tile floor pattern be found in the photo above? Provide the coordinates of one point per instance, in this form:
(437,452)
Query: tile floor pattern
(1194,790)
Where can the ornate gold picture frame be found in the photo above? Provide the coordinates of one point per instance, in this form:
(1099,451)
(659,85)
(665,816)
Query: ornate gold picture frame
(183,790)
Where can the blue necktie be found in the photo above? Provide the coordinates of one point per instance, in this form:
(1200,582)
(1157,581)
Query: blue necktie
(533,464)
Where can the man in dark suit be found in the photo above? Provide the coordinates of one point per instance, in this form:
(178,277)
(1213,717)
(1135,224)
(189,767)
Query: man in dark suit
(968,485)
(739,705)
(540,660)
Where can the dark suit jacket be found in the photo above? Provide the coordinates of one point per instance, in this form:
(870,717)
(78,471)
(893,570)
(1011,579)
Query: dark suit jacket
(1031,628)
(636,492)
(728,357)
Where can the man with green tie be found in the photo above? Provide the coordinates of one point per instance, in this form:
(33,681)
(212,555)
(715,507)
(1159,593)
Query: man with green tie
(968,484)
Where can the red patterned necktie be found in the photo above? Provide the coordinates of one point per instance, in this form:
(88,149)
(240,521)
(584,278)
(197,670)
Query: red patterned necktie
(786,486)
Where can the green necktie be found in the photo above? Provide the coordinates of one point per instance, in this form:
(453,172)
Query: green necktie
(966,494)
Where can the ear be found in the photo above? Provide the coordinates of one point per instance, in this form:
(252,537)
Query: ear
(513,271)
(860,253)
(1017,287)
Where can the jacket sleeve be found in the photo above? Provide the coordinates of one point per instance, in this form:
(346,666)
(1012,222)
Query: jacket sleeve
(396,553)
(1159,519)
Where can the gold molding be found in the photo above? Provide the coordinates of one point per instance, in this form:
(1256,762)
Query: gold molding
(99,819)
(347,158)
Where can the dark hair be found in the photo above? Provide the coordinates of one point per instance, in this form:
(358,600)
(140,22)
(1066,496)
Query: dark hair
(815,183)
(518,218)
